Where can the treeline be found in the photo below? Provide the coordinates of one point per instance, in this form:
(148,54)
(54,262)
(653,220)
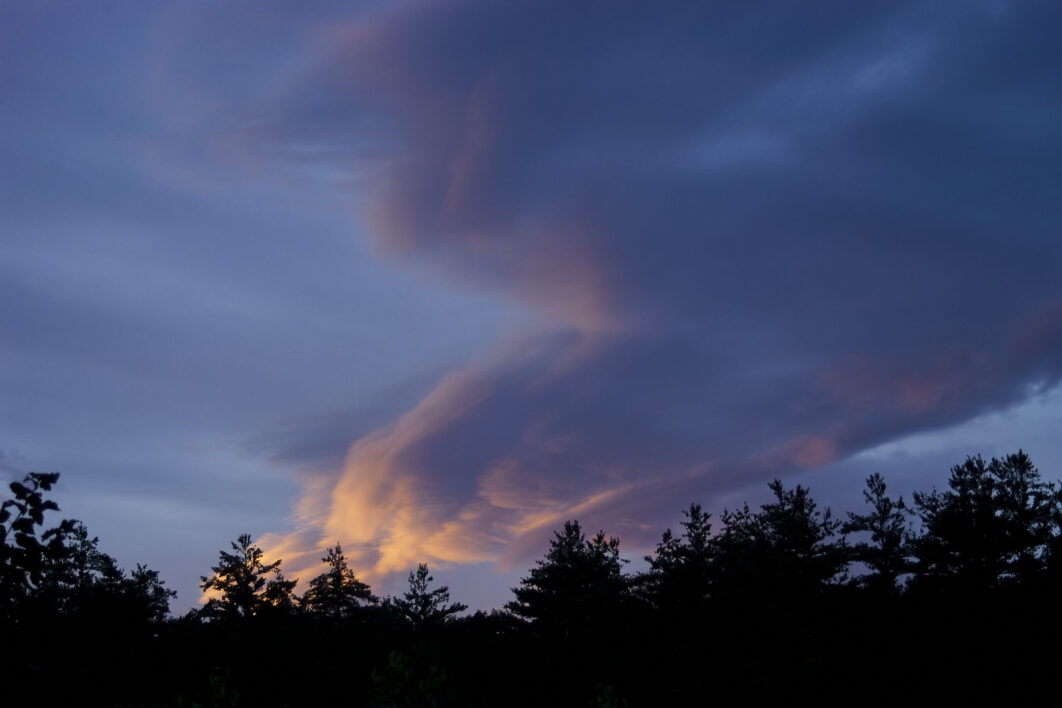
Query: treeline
(949,596)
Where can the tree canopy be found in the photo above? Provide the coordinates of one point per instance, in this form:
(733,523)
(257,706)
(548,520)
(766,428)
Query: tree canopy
(786,551)
(424,607)
(681,570)
(25,548)
(775,600)
(886,522)
(577,585)
(337,592)
(994,525)
(246,586)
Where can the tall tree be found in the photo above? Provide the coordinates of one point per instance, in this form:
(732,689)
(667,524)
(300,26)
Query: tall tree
(79,576)
(886,522)
(337,592)
(148,594)
(61,570)
(247,586)
(1029,509)
(80,579)
(786,551)
(680,571)
(577,586)
(992,526)
(423,607)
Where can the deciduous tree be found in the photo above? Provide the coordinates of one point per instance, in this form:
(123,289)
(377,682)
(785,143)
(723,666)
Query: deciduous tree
(26,549)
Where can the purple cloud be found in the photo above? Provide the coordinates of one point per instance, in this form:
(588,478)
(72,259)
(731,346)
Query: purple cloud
(763,238)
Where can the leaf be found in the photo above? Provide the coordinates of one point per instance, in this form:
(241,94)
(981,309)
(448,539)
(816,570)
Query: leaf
(45,479)
(27,541)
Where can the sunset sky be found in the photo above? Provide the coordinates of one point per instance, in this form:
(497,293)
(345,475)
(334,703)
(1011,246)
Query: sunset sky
(430,278)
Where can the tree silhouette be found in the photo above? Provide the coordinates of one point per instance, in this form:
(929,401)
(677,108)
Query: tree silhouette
(992,526)
(78,576)
(337,592)
(576,586)
(148,595)
(886,554)
(784,551)
(1029,510)
(80,579)
(752,613)
(61,571)
(680,571)
(423,607)
(25,551)
(245,585)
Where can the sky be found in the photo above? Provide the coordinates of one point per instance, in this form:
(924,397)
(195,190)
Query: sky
(427,279)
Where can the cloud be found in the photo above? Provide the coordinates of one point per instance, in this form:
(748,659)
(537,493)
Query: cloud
(766,238)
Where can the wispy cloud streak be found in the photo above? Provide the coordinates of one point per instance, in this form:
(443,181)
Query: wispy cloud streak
(765,238)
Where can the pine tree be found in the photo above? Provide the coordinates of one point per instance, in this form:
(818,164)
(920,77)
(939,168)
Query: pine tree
(147,594)
(577,586)
(244,584)
(426,608)
(785,551)
(886,554)
(80,577)
(336,592)
(993,526)
(680,572)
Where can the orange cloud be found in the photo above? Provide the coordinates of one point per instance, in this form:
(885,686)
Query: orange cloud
(390,510)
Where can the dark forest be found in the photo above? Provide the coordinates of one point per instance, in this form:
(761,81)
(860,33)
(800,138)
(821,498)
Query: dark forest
(950,595)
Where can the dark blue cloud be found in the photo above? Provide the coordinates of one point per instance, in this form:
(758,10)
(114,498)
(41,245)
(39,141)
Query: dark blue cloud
(777,236)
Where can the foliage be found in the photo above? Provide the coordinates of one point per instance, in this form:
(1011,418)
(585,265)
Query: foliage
(785,551)
(753,613)
(409,682)
(62,571)
(25,551)
(578,584)
(148,594)
(245,585)
(62,596)
(337,592)
(992,526)
(605,696)
(886,554)
(78,577)
(680,571)
(423,607)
